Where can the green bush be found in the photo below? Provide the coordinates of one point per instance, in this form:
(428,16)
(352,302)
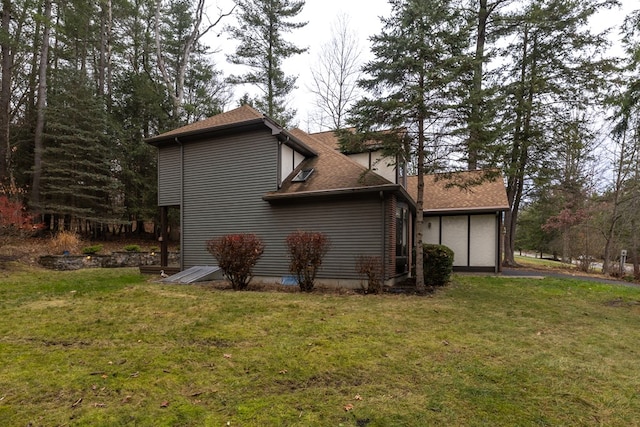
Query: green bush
(90,250)
(438,264)
(132,248)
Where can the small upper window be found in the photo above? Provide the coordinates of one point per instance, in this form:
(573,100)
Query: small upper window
(302,176)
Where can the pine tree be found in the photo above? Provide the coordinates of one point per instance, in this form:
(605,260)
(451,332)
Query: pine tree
(480,111)
(260,30)
(141,108)
(77,179)
(179,31)
(418,57)
(543,82)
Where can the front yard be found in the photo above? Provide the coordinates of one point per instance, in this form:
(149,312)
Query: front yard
(109,347)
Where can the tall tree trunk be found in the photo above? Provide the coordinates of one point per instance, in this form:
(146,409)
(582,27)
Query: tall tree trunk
(520,151)
(109,62)
(31,109)
(104,66)
(616,206)
(420,285)
(41,105)
(102,63)
(475,119)
(476,124)
(175,83)
(5,91)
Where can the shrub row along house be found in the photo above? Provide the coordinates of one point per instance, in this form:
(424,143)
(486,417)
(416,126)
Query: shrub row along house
(240,172)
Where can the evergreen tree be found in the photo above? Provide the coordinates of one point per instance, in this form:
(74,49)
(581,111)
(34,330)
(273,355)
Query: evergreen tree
(141,108)
(179,30)
(556,63)
(260,31)
(418,58)
(622,214)
(207,93)
(23,94)
(78,169)
(480,109)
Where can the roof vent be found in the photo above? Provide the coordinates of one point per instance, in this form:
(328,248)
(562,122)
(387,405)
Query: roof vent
(302,176)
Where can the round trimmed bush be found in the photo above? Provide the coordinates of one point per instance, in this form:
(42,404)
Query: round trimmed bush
(438,264)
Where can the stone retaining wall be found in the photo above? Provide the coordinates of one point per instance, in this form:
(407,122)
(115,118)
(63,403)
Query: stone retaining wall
(116,259)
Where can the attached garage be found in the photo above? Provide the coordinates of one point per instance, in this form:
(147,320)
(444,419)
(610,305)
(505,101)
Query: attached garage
(464,211)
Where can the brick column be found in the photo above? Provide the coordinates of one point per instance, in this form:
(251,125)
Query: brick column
(390,237)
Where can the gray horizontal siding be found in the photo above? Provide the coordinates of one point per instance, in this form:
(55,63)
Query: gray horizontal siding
(224,184)
(354,227)
(169,176)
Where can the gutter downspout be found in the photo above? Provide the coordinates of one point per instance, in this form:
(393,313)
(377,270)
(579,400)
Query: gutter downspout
(498,267)
(384,236)
(181,203)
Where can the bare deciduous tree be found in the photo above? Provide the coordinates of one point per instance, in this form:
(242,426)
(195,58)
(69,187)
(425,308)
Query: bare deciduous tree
(336,73)
(174,82)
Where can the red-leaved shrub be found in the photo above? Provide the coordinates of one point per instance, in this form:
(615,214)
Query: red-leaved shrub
(306,251)
(237,254)
(14,218)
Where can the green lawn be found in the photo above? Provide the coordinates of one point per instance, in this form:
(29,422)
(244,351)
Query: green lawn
(527,261)
(107,347)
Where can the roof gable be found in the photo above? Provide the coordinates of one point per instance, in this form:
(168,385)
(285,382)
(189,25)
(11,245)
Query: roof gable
(328,138)
(461,191)
(237,116)
(332,170)
(331,139)
(244,117)
(333,173)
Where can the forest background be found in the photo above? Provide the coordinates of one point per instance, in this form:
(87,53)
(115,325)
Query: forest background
(530,88)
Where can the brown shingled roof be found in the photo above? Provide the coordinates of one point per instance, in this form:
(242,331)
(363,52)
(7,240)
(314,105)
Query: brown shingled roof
(242,114)
(328,138)
(331,139)
(333,172)
(461,191)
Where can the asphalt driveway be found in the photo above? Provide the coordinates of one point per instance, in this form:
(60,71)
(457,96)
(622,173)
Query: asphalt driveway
(524,272)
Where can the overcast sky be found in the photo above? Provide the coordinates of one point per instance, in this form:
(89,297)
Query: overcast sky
(364,15)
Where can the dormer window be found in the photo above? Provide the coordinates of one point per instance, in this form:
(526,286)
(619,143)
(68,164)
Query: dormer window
(302,176)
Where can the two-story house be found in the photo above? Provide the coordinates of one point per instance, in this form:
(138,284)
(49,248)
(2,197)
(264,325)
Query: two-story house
(240,172)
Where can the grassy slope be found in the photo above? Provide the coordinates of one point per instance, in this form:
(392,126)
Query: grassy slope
(105,347)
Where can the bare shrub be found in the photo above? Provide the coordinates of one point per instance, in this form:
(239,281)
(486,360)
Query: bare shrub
(370,268)
(65,242)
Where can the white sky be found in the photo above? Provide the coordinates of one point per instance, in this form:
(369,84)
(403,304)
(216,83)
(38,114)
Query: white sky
(321,15)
